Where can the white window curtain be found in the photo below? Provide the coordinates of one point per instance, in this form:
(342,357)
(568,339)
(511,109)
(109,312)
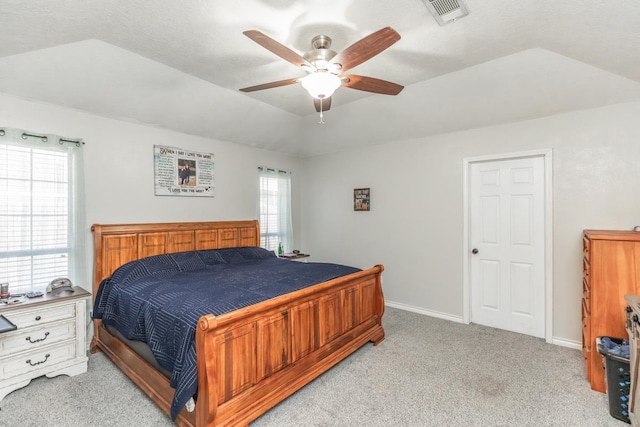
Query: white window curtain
(41,210)
(274,209)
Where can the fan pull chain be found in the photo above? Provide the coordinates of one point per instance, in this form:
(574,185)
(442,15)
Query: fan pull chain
(321,115)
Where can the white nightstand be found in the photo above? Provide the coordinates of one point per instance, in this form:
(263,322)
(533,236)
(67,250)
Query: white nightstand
(50,339)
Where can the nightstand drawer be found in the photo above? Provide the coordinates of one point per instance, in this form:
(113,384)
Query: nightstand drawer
(36,360)
(24,319)
(33,338)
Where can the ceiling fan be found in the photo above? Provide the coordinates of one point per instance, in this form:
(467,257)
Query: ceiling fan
(325,68)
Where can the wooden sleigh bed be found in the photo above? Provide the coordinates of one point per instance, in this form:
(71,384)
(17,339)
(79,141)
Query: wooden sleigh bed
(250,359)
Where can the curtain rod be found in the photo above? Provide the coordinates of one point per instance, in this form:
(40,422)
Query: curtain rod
(264,168)
(45,138)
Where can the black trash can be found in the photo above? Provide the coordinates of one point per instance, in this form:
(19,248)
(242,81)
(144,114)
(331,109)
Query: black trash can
(615,355)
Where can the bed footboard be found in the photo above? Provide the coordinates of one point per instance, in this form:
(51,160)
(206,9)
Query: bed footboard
(251,359)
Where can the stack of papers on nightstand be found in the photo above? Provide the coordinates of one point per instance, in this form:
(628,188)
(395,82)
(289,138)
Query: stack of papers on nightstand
(288,255)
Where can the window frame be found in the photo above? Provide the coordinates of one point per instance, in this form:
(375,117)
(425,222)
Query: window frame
(274,194)
(26,265)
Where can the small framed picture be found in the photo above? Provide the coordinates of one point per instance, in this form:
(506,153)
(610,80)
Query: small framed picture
(361,199)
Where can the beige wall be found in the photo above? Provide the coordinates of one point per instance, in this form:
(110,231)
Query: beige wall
(415,226)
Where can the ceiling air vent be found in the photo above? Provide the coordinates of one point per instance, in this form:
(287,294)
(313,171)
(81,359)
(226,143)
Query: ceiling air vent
(446,11)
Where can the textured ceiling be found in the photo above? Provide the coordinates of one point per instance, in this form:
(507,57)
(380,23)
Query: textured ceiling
(179,65)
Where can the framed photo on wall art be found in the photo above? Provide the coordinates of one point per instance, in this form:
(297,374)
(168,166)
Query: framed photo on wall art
(180,172)
(361,199)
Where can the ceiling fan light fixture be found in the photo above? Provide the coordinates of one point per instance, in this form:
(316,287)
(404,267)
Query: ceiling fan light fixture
(321,84)
(324,66)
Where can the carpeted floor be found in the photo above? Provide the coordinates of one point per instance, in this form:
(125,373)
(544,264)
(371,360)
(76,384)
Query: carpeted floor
(427,372)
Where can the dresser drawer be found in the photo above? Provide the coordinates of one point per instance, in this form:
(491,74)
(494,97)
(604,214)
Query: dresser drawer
(38,359)
(33,338)
(27,318)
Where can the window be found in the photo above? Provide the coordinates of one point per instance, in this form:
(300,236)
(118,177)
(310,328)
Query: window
(275,209)
(39,210)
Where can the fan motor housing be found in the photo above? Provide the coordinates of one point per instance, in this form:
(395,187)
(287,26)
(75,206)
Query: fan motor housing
(320,51)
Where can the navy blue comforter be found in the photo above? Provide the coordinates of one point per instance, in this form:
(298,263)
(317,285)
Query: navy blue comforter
(159,299)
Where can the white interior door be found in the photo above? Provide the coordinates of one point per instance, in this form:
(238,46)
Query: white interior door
(507,231)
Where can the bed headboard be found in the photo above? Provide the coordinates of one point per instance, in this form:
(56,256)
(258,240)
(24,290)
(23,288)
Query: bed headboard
(117,244)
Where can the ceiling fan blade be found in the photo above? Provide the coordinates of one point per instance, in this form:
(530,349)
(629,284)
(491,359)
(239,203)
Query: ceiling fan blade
(279,49)
(326,104)
(270,85)
(366,48)
(371,84)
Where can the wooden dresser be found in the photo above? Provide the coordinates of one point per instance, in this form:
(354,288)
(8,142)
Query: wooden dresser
(611,269)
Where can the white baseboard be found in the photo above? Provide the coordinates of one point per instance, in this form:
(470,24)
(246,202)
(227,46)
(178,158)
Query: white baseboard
(419,310)
(563,342)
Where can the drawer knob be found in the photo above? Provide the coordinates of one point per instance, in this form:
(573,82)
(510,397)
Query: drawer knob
(46,334)
(38,317)
(46,356)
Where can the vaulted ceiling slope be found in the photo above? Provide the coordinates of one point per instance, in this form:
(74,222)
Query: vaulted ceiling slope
(179,65)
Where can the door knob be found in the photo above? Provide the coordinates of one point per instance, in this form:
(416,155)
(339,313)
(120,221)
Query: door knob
(474,251)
